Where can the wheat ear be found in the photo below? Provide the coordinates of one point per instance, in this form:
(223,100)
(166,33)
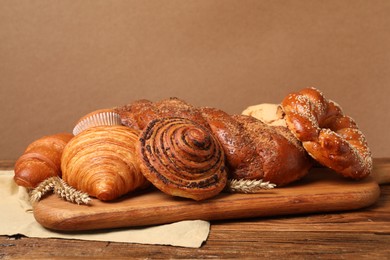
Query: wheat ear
(248,186)
(62,189)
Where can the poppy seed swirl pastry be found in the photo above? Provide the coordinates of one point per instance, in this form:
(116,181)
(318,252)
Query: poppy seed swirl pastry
(182,158)
(329,136)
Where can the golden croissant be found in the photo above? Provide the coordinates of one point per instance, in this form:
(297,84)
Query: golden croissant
(182,158)
(41,160)
(101,161)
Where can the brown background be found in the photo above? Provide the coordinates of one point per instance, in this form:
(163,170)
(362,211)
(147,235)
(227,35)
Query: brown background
(62,59)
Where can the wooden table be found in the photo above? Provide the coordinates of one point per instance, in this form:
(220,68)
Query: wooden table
(364,233)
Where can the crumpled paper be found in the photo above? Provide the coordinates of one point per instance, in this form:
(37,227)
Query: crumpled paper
(17,218)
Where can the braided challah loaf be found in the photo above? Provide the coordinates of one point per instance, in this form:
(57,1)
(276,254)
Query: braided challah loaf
(332,138)
(329,136)
(253,150)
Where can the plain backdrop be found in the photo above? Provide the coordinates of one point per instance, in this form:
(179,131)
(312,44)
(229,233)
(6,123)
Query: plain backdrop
(62,59)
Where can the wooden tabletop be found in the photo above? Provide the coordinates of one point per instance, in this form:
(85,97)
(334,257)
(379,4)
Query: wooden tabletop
(358,234)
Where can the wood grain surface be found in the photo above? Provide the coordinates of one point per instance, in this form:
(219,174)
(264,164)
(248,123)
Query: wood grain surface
(359,234)
(354,234)
(321,191)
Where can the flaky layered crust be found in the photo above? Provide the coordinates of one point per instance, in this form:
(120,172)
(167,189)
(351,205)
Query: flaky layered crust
(101,161)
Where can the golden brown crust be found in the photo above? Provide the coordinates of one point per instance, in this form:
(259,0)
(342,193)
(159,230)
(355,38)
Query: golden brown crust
(239,145)
(139,113)
(329,136)
(182,158)
(281,156)
(174,107)
(41,160)
(136,115)
(101,161)
(255,150)
(241,157)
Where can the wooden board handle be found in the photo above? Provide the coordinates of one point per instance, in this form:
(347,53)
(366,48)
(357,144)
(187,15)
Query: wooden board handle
(381,172)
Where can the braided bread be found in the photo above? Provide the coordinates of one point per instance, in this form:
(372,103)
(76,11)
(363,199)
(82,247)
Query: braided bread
(329,136)
(253,150)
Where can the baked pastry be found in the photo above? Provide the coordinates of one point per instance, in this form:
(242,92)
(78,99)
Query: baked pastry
(182,158)
(282,156)
(139,113)
(255,150)
(101,161)
(41,160)
(241,155)
(329,136)
(239,145)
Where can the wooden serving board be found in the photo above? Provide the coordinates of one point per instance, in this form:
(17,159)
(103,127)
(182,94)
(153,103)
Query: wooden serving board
(320,191)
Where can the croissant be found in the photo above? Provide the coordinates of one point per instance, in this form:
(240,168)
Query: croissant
(278,157)
(101,161)
(41,160)
(182,158)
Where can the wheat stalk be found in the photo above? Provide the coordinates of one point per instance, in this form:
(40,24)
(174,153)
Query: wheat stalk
(62,189)
(248,186)
(44,187)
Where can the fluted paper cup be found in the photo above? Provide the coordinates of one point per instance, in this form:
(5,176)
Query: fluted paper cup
(101,117)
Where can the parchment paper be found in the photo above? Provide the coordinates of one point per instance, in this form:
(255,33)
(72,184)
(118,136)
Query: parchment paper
(16,217)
